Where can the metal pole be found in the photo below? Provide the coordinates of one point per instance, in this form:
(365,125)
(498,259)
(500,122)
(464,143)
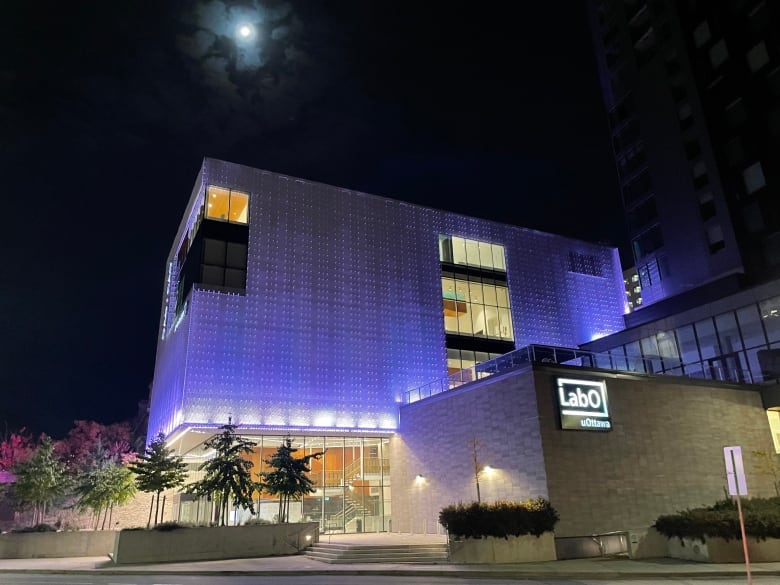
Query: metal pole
(744,540)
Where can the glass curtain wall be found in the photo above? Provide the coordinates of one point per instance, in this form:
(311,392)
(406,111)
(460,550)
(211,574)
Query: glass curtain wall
(737,346)
(351,480)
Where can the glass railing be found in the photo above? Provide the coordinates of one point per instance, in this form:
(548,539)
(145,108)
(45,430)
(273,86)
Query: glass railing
(547,354)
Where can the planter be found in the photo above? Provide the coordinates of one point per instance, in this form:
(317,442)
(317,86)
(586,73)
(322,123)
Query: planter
(203,543)
(717,550)
(39,545)
(513,549)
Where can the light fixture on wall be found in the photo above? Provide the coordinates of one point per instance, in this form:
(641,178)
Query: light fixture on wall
(419,478)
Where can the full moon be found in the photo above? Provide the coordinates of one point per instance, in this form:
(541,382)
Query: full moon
(245,31)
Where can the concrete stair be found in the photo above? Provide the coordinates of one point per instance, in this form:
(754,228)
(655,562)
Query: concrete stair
(344,553)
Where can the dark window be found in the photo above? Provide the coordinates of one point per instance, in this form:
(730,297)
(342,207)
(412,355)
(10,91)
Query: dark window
(642,214)
(585,264)
(637,188)
(648,242)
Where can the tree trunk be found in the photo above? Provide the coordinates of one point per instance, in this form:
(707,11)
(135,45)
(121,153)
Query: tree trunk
(151,507)
(157,509)
(110,515)
(162,512)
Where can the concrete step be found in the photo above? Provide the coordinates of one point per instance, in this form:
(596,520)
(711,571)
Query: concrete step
(396,553)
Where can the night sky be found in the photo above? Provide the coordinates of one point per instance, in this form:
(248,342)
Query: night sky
(107,109)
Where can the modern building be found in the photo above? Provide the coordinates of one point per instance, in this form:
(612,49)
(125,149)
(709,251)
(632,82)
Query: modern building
(692,90)
(693,95)
(298,308)
(418,348)
(633,288)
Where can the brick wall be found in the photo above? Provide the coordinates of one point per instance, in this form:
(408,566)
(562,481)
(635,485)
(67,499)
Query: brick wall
(434,440)
(664,454)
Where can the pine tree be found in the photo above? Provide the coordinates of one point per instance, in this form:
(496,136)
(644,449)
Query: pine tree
(288,480)
(40,480)
(228,478)
(157,470)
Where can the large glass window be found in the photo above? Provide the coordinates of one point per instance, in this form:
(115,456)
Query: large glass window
(466,252)
(689,349)
(227,205)
(770,314)
(728,332)
(708,341)
(476,308)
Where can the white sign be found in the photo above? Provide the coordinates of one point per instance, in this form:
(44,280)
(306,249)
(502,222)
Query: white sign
(583,405)
(735,472)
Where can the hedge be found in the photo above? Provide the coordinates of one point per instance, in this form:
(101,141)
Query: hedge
(761,516)
(500,519)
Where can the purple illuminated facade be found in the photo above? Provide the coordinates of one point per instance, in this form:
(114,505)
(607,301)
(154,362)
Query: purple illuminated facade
(342,307)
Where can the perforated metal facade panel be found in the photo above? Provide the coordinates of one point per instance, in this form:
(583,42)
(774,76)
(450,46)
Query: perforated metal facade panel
(343,308)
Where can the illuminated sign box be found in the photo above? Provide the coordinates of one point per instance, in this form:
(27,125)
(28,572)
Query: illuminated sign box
(583,405)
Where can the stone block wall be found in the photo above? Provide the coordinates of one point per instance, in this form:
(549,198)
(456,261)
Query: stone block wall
(434,441)
(664,454)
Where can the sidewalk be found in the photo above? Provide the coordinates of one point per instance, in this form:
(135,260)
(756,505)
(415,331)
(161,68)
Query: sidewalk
(601,568)
(590,568)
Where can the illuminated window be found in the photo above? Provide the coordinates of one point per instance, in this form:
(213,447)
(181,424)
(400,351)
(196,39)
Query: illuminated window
(476,309)
(455,250)
(227,205)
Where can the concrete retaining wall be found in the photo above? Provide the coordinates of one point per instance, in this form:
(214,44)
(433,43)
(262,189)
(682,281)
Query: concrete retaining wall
(33,545)
(717,550)
(514,549)
(201,544)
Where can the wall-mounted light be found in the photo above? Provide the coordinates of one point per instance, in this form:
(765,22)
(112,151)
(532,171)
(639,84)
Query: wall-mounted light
(419,478)
(488,470)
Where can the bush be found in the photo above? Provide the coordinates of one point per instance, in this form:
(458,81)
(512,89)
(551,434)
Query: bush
(257,522)
(170,526)
(501,519)
(36,528)
(761,515)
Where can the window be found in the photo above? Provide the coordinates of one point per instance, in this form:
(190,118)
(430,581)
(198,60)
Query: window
(770,314)
(753,176)
(585,264)
(647,242)
(227,205)
(476,309)
(455,250)
(706,205)
(757,57)
(701,34)
(718,53)
(715,238)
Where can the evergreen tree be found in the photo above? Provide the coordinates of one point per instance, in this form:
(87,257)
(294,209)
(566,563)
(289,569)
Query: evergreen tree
(157,470)
(227,479)
(104,487)
(39,480)
(288,480)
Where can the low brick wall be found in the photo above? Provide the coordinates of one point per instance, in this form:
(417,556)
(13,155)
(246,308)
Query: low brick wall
(201,544)
(32,545)
(514,549)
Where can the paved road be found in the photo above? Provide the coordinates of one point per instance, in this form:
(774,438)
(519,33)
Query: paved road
(163,579)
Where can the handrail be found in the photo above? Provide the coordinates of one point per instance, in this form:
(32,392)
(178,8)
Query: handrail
(530,354)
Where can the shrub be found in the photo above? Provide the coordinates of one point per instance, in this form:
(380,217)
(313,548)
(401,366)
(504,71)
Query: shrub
(169,526)
(257,522)
(36,528)
(761,516)
(501,519)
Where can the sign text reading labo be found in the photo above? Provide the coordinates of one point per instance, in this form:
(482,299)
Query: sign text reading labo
(583,405)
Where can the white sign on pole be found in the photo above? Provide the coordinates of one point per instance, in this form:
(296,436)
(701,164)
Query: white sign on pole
(735,472)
